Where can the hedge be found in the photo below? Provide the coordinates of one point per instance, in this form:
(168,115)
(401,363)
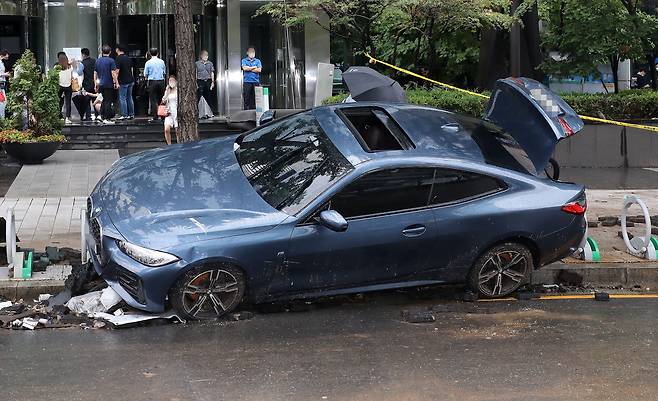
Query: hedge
(637,104)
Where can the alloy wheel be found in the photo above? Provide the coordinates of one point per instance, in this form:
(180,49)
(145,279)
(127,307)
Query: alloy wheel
(502,273)
(210,294)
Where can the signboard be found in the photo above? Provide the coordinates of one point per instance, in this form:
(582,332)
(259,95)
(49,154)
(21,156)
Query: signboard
(324,83)
(73,53)
(262,101)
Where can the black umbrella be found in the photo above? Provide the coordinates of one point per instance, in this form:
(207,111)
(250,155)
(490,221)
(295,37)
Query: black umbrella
(366,84)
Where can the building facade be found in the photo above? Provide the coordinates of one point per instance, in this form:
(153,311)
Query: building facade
(223,27)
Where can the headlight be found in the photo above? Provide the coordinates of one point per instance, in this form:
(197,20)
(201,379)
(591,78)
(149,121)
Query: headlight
(146,256)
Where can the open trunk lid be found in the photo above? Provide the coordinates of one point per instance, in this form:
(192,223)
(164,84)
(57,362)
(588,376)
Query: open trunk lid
(535,116)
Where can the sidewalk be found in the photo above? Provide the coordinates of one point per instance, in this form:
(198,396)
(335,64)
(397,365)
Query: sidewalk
(47,198)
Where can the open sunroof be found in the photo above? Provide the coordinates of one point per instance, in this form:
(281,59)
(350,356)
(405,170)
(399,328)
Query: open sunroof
(375,130)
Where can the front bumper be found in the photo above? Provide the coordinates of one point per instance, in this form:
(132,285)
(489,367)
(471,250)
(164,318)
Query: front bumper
(141,286)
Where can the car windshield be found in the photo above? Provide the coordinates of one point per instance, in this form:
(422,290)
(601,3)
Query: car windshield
(290,162)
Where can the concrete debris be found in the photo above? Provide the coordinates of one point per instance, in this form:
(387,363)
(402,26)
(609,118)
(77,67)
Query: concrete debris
(601,296)
(592,223)
(418,316)
(30,323)
(43,297)
(5,304)
(242,315)
(609,221)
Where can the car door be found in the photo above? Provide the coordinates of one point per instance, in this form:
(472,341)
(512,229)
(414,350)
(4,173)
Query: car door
(390,230)
(464,211)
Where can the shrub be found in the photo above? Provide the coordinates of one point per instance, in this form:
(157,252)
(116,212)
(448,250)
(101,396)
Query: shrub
(16,136)
(637,104)
(33,102)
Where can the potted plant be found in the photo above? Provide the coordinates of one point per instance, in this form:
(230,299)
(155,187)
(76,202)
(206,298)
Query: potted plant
(34,131)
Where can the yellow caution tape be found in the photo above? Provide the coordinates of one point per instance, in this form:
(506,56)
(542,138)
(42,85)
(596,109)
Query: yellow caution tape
(373,60)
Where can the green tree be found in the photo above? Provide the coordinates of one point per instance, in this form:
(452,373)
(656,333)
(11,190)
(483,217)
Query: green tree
(45,107)
(585,35)
(22,89)
(440,36)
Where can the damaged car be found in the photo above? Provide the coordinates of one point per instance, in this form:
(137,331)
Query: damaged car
(340,199)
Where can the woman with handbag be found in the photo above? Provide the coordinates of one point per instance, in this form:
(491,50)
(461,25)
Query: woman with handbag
(169,108)
(65,79)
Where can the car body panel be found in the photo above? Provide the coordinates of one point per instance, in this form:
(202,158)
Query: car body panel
(546,118)
(193,201)
(194,194)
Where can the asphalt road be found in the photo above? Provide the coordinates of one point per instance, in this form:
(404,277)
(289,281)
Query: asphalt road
(528,350)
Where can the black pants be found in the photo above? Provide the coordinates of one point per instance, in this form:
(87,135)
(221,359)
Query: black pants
(249,95)
(107,107)
(204,91)
(156,91)
(64,93)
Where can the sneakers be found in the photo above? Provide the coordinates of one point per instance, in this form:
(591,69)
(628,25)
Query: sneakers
(108,122)
(67,121)
(121,118)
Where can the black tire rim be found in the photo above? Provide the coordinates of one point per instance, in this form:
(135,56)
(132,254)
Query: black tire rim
(210,294)
(502,273)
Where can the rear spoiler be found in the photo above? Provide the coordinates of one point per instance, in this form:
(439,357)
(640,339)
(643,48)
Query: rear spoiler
(534,115)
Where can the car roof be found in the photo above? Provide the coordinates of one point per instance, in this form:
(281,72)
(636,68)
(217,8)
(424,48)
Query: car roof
(433,132)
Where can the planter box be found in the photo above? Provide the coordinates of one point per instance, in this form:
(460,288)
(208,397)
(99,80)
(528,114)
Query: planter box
(31,153)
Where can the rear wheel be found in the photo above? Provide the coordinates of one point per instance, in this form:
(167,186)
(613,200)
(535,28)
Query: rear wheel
(208,292)
(501,270)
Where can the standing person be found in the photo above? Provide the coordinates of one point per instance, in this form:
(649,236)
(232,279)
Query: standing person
(154,71)
(126,83)
(170,99)
(64,93)
(106,77)
(251,68)
(205,78)
(4,56)
(88,84)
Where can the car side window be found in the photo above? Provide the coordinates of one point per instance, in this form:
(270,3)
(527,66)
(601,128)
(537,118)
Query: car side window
(385,191)
(454,185)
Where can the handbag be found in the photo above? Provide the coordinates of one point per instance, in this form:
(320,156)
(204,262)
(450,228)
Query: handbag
(75,85)
(162,111)
(3,98)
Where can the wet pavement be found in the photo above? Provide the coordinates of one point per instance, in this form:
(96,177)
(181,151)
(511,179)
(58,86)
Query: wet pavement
(526,350)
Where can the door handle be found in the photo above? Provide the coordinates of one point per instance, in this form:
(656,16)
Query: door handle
(414,230)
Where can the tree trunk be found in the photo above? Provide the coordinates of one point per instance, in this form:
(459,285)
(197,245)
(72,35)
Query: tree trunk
(614,64)
(188,112)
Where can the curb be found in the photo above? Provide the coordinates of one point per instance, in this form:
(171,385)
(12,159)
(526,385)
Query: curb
(49,282)
(599,274)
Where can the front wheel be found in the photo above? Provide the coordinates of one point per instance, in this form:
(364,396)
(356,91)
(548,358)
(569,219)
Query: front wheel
(501,270)
(208,292)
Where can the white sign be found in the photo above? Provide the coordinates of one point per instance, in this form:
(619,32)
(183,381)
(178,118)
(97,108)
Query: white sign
(73,53)
(262,94)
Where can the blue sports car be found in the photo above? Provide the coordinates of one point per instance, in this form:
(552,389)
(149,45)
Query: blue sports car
(341,199)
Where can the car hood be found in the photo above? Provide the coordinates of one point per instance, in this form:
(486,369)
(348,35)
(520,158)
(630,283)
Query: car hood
(184,193)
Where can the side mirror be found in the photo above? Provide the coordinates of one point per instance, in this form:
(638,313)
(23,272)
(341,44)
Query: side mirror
(333,220)
(266,117)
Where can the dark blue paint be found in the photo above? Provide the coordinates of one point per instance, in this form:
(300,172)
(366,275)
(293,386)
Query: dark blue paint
(193,201)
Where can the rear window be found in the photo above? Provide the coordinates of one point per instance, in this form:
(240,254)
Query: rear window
(498,147)
(375,130)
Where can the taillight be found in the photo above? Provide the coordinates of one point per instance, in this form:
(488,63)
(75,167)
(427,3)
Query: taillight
(578,206)
(565,126)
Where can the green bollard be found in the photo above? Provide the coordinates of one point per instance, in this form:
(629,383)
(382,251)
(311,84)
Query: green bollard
(27,266)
